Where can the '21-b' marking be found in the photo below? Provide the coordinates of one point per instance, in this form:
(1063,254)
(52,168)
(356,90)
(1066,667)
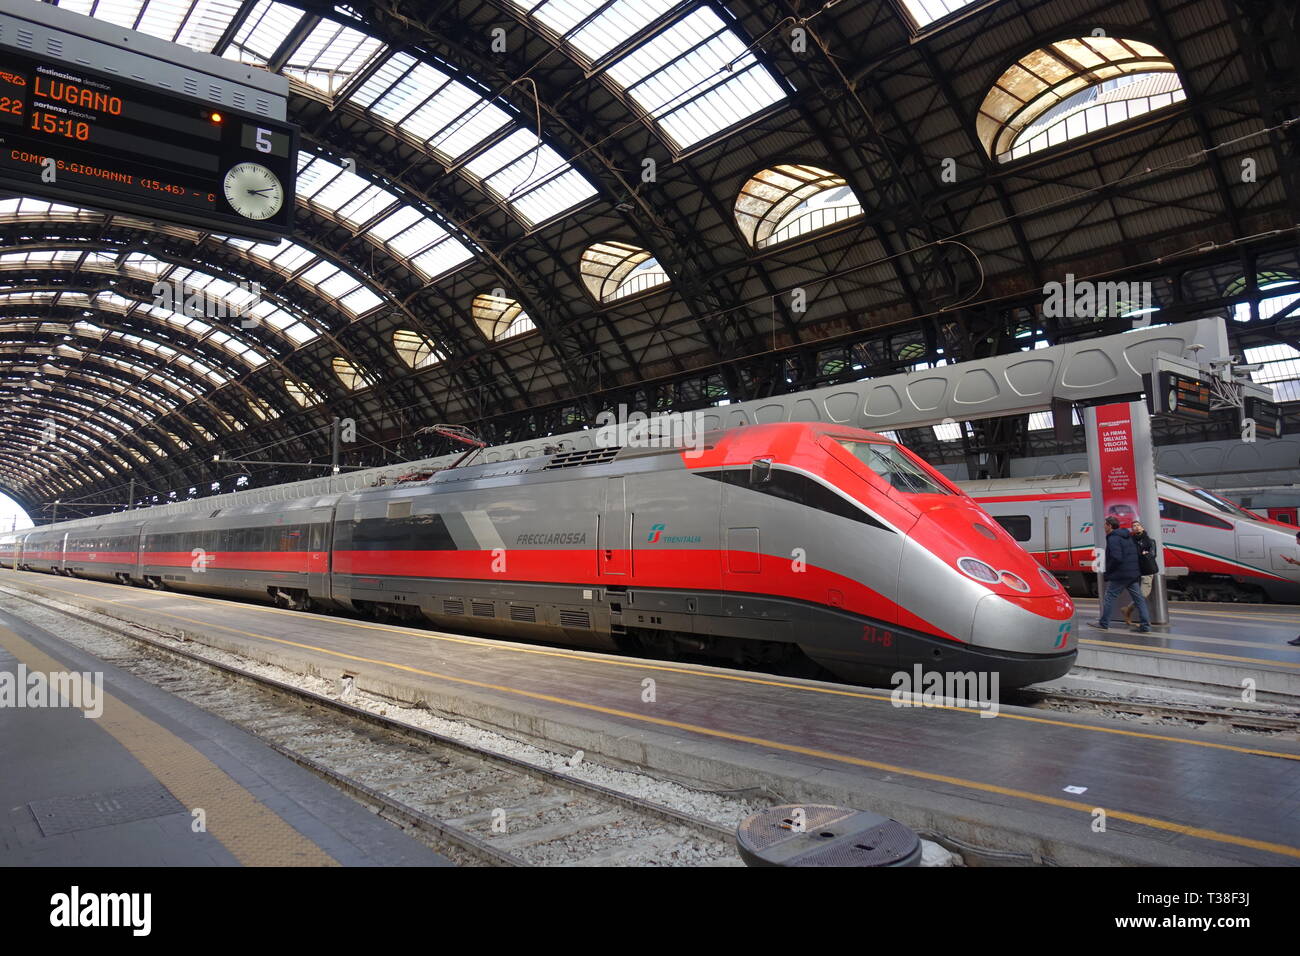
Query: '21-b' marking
(875,635)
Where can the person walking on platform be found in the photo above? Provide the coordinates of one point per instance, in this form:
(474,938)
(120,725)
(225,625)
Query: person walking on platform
(1294,642)
(1147,564)
(1123,572)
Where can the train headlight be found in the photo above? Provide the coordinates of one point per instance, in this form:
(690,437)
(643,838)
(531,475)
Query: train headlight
(1014,581)
(1049,578)
(977,569)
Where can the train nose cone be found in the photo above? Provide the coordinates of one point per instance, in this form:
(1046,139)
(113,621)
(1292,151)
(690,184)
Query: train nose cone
(1027,625)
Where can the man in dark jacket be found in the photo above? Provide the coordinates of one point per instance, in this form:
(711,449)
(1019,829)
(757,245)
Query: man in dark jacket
(1147,565)
(1123,572)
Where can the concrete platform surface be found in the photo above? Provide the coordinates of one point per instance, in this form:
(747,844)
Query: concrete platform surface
(151,780)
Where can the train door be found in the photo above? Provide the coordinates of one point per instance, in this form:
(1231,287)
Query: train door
(61,562)
(615,531)
(137,547)
(1056,535)
(1250,542)
(319,547)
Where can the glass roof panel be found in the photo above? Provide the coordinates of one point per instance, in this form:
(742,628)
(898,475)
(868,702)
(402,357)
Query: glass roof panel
(588,29)
(925,12)
(331,55)
(262,32)
(680,78)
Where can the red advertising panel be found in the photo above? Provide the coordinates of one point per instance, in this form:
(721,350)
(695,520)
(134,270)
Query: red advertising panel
(1118,473)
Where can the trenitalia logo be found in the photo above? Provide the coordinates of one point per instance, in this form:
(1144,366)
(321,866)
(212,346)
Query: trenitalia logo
(1062,634)
(657,536)
(1085,527)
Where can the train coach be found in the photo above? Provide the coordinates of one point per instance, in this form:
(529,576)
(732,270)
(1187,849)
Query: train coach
(1230,554)
(768,539)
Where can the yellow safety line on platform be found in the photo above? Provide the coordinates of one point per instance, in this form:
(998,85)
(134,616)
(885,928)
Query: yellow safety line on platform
(254,834)
(608,661)
(1185,653)
(1199,639)
(1244,614)
(1154,822)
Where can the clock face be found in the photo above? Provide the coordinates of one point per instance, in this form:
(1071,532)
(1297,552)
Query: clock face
(253,191)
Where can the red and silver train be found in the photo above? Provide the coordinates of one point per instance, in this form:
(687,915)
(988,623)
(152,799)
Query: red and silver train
(834,540)
(1230,554)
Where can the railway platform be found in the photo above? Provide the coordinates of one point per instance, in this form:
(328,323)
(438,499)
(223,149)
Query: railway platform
(1031,785)
(121,773)
(1213,647)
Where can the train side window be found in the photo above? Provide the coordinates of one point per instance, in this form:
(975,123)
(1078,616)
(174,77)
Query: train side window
(317,537)
(796,488)
(1173,511)
(1020,527)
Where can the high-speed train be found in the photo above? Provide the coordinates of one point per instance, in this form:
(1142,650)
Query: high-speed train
(767,537)
(1230,554)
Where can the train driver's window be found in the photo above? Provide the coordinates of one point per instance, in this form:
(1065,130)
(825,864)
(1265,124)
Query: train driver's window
(1173,511)
(890,463)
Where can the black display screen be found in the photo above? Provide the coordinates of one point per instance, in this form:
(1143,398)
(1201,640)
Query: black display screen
(1186,398)
(1266,415)
(125,147)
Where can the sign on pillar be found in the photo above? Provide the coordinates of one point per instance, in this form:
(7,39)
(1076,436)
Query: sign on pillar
(1121,464)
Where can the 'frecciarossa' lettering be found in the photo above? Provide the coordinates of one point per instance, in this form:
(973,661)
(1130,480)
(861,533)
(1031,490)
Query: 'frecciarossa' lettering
(556,537)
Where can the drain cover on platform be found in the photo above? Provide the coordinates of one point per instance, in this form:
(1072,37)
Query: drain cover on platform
(68,814)
(819,835)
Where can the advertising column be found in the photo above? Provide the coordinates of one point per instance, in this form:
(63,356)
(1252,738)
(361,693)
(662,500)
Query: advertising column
(1121,463)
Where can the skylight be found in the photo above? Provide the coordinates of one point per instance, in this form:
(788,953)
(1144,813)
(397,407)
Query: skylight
(696,79)
(925,12)
(500,318)
(429,107)
(416,350)
(390,223)
(614,270)
(788,201)
(1070,89)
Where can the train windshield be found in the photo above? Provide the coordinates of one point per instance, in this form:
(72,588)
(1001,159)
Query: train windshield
(1223,504)
(895,467)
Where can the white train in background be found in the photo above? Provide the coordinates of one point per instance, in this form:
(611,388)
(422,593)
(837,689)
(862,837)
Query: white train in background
(1230,553)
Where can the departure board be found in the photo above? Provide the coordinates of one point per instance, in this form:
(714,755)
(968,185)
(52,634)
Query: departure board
(1184,397)
(1266,415)
(126,147)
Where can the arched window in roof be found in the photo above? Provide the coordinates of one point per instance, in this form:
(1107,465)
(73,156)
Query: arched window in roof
(1283,293)
(301,394)
(1073,88)
(262,408)
(416,350)
(784,202)
(500,318)
(615,270)
(351,376)
(1269,279)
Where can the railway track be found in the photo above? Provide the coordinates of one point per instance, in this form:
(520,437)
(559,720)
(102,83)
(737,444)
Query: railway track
(474,806)
(1169,713)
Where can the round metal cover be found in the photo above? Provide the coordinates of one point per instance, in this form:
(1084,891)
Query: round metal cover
(820,835)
